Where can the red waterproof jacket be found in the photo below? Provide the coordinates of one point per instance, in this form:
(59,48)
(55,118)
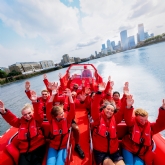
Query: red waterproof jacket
(57,100)
(59,141)
(131,144)
(35,141)
(106,145)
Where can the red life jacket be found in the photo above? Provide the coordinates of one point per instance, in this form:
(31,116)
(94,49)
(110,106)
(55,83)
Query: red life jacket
(27,129)
(144,136)
(59,127)
(103,129)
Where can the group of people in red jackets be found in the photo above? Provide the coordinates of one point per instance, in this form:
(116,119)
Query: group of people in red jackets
(106,109)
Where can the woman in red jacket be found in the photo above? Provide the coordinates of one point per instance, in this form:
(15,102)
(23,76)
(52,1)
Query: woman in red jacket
(137,145)
(105,140)
(60,123)
(30,138)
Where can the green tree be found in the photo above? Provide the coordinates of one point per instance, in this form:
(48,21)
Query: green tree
(14,73)
(2,74)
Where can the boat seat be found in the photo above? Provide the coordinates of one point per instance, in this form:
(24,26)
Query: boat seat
(122,129)
(46,129)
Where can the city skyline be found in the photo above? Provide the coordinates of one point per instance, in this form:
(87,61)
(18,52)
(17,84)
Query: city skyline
(40,30)
(127,42)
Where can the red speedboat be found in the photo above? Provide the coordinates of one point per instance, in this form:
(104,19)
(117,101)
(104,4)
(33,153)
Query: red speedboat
(76,71)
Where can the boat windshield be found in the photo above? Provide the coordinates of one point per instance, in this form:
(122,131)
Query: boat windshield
(82,71)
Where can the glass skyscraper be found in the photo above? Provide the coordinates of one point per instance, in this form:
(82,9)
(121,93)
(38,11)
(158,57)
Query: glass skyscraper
(103,46)
(113,44)
(109,46)
(141,32)
(124,40)
(131,42)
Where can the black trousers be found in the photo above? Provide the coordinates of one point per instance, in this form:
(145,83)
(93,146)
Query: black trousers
(34,157)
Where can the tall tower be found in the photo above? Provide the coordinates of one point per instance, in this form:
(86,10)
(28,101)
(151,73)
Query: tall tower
(124,40)
(113,44)
(103,46)
(141,32)
(66,58)
(109,46)
(131,42)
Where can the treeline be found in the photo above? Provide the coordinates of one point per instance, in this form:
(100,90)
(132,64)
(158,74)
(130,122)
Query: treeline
(3,74)
(14,76)
(156,38)
(152,40)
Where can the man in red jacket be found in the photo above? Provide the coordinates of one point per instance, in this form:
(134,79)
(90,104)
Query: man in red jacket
(137,144)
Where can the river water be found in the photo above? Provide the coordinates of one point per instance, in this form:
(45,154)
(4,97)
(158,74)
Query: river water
(143,68)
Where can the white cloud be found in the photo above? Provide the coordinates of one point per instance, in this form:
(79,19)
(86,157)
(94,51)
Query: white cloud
(70,30)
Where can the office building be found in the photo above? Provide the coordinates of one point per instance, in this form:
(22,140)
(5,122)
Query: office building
(95,53)
(152,35)
(109,46)
(146,35)
(113,44)
(141,32)
(47,64)
(124,40)
(66,58)
(25,67)
(103,47)
(131,42)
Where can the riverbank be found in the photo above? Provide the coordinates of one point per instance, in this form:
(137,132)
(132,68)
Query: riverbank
(154,40)
(12,79)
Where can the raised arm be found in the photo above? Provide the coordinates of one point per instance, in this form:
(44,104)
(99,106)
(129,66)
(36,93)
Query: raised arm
(160,122)
(49,104)
(71,113)
(9,116)
(27,89)
(128,111)
(95,105)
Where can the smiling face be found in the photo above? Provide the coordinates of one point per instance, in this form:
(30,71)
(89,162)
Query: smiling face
(109,111)
(142,120)
(27,113)
(45,94)
(60,114)
(57,112)
(141,116)
(116,96)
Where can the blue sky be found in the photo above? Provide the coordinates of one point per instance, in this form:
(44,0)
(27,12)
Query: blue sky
(47,29)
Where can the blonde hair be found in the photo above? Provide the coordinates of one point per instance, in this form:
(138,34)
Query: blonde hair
(141,112)
(27,105)
(56,109)
(45,90)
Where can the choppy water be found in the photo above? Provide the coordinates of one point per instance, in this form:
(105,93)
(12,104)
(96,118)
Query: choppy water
(143,68)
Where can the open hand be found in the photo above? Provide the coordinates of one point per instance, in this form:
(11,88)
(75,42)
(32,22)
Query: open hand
(111,84)
(60,75)
(54,88)
(126,88)
(109,78)
(82,97)
(45,76)
(68,92)
(27,85)
(87,90)
(2,108)
(33,97)
(101,87)
(163,105)
(130,101)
